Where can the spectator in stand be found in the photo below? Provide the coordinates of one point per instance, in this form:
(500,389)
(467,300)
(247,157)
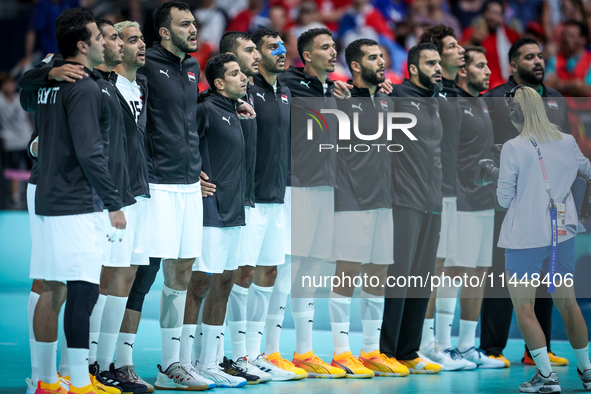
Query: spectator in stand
(362,20)
(331,12)
(213,21)
(559,11)
(391,73)
(278,17)
(496,39)
(569,71)
(232,7)
(244,21)
(395,11)
(307,18)
(525,11)
(292,58)
(467,10)
(432,13)
(15,132)
(42,28)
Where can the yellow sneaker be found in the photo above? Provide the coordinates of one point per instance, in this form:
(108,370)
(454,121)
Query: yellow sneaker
(420,366)
(557,361)
(381,365)
(315,367)
(287,365)
(353,368)
(46,388)
(102,388)
(502,358)
(82,390)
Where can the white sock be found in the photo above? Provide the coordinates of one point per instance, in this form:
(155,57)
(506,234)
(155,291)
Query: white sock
(172,308)
(238,337)
(256,312)
(220,352)
(467,337)
(197,343)
(303,317)
(444,318)
(78,367)
(209,349)
(33,299)
(254,335)
(582,356)
(428,332)
(64,359)
(125,344)
(372,313)
(187,338)
(236,315)
(110,326)
(542,360)
(274,320)
(47,355)
(339,308)
(95,327)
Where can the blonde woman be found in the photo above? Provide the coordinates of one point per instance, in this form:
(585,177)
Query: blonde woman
(526,232)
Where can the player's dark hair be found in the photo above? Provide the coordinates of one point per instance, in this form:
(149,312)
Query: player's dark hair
(354,51)
(162,17)
(414,54)
(231,39)
(70,27)
(258,35)
(101,22)
(306,40)
(514,52)
(436,34)
(216,68)
(469,51)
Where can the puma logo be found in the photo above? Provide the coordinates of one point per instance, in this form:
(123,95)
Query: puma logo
(217,337)
(94,343)
(191,336)
(281,308)
(106,91)
(260,333)
(165,73)
(310,321)
(357,106)
(311,304)
(418,105)
(128,344)
(226,119)
(176,339)
(241,332)
(469,112)
(261,96)
(306,84)
(345,332)
(278,325)
(444,95)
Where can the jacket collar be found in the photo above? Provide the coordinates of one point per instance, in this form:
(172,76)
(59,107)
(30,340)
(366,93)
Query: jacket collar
(260,81)
(418,91)
(222,101)
(359,92)
(167,54)
(301,73)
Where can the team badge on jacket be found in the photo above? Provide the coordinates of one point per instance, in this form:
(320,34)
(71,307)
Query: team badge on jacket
(552,104)
(191,76)
(284,99)
(384,105)
(485,110)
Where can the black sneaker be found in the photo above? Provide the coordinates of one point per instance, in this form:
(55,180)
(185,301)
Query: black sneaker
(231,368)
(112,378)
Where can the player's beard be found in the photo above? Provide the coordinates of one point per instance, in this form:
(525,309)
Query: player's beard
(426,81)
(530,77)
(371,77)
(111,58)
(181,44)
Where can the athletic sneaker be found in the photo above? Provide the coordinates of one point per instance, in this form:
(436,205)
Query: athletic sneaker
(100,385)
(456,355)
(478,357)
(82,390)
(555,361)
(127,372)
(420,366)
(31,388)
(277,374)
(541,384)
(353,368)
(112,378)
(219,377)
(381,365)
(500,357)
(585,377)
(286,365)
(251,369)
(176,377)
(450,361)
(46,388)
(232,368)
(315,367)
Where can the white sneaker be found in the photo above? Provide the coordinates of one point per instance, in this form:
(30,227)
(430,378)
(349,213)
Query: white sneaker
(478,357)
(456,355)
(197,376)
(585,377)
(220,378)
(176,377)
(278,374)
(250,368)
(449,361)
(30,386)
(541,384)
(427,359)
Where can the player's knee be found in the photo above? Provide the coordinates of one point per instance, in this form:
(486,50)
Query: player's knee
(81,299)
(244,276)
(144,278)
(199,285)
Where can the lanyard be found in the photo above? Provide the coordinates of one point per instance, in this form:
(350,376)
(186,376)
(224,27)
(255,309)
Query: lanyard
(553,222)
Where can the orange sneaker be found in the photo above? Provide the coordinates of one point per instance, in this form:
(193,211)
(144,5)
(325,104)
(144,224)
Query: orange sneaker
(353,368)
(557,361)
(82,390)
(502,358)
(46,388)
(381,365)
(287,365)
(315,367)
(420,366)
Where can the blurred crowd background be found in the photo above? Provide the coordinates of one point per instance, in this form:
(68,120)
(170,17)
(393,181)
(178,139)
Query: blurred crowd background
(562,27)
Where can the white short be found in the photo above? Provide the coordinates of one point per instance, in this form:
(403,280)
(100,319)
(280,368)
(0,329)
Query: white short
(475,235)
(175,221)
(448,237)
(287,216)
(220,250)
(262,239)
(35,225)
(312,221)
(133,250)
(364,236)
(72,248)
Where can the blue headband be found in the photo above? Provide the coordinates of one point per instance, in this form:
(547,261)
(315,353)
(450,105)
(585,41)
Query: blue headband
(280,50)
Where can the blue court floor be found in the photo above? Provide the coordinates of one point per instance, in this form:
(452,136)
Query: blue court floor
(14,354)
